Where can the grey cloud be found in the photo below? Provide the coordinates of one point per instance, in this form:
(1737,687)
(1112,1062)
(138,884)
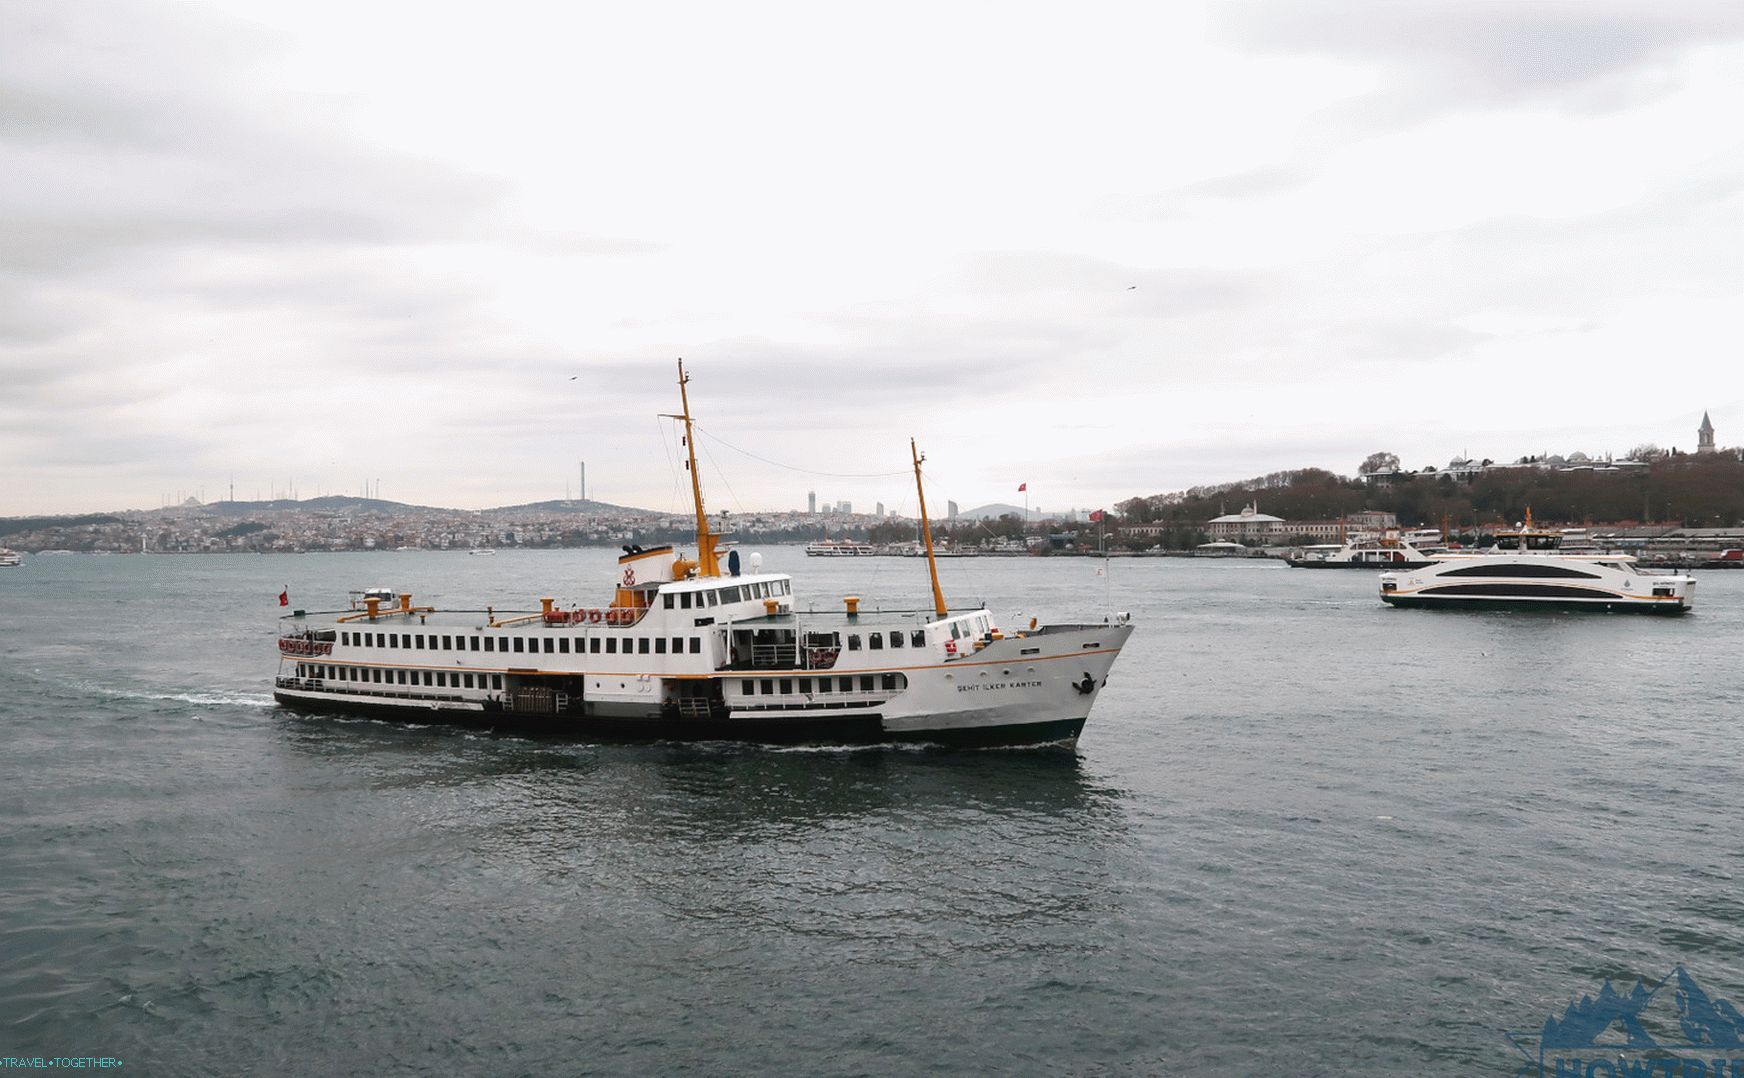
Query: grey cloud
(115,138)
(1454,53)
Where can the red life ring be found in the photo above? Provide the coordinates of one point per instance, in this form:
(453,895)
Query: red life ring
(593,616)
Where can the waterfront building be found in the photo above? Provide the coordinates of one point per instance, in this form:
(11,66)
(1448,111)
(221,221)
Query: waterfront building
(1250,523)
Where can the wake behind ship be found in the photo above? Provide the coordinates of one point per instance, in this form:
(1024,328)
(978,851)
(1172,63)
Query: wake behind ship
(696,649)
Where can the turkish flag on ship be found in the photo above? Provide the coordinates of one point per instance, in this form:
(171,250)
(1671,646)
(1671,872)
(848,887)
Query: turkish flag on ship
(1096,517)
(1021,487)
(285,596)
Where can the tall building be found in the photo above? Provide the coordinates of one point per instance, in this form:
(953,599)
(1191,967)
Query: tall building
(1705,436)
(846,507)
(950,510)
(880,512)
(811,502)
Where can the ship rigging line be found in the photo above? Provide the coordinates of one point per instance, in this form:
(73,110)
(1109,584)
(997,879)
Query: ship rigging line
(807,471)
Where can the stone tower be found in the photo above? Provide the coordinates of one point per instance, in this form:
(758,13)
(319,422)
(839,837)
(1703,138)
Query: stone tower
(1705,436)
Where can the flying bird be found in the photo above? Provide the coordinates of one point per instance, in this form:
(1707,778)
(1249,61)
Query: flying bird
(1131,287)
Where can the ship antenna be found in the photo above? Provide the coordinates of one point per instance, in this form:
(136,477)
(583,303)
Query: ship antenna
(708,564)
(926,530)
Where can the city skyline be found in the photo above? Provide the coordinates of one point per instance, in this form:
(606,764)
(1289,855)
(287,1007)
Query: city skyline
(1109,252)
(810,503)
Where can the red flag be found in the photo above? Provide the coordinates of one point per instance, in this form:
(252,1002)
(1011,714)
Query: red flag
(1021,487)
(285,597)
(1096,517)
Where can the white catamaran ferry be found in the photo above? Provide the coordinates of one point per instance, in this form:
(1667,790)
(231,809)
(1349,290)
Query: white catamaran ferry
(696,649)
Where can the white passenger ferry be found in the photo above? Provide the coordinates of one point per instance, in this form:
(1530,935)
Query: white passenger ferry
(704,648)
(1528,569)
(839,548)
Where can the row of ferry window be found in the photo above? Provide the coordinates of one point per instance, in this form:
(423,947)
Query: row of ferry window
(875,641)
(768,589)
(768,686)
(637,645)
(375,675)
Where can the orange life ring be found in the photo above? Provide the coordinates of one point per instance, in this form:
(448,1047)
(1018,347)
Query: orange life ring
(593,616)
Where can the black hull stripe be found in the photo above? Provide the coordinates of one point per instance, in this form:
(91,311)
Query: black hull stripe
(1591,606)
(1517,590)
(853,729)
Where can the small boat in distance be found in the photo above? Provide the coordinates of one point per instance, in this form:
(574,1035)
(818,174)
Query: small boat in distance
(839,548)
(705,646)
(10,559)
(483,552)
(1387,550)
(1527,569)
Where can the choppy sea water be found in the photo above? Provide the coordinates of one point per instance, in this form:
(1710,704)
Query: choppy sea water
(1303,833)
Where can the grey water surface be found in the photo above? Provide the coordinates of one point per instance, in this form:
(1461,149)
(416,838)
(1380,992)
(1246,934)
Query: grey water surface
(1302,833)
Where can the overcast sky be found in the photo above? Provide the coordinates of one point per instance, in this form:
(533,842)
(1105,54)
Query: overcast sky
(1104,249)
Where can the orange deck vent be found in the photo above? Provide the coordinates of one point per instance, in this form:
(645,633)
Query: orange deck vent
(373,605)
(545,606)
(770,606)
(852,602)
(406,601)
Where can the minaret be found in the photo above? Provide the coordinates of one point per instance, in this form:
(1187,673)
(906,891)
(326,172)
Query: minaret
(1705,436)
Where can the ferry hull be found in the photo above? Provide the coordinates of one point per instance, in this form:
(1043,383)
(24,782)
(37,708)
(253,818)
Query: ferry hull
(1590,606)
(855,729)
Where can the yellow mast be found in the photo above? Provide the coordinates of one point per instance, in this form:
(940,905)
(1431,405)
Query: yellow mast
(707,562)
(926,530)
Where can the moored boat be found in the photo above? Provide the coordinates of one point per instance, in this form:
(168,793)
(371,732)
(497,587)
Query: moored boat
(1384,551)
(10,559)
(705,647)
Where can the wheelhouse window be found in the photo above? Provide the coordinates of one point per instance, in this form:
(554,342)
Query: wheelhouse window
(562,645)
(696,645)
(671,601)
(853,641)
(660,645)
(917,638)
(896,639)
(875,641)
(593,645)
